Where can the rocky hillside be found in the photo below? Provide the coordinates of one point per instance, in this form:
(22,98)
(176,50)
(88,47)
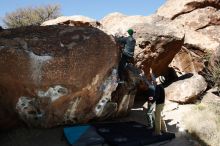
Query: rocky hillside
(201,22)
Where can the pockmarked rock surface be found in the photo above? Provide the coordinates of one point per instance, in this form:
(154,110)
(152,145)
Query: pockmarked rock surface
(186,61)
(55,75)
(186,90)
(157,38)
(201,22)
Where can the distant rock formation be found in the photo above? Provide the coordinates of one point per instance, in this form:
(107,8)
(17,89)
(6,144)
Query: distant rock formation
(76,20)
(201,22)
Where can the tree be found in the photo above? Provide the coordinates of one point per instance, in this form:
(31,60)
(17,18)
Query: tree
(31,16)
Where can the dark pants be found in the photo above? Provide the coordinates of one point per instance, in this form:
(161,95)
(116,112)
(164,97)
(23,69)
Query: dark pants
(124,59)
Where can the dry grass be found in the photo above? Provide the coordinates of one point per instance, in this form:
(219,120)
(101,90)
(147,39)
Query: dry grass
(204,123)
(212,75)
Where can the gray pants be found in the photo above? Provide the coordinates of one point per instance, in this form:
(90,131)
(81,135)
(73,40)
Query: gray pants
(150,115)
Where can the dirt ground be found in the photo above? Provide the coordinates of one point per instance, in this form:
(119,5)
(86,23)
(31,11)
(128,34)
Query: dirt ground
(54,136)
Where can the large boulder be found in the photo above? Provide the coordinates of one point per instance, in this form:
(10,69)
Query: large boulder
(56,75)
(157,39)
(186,90)
(201,21)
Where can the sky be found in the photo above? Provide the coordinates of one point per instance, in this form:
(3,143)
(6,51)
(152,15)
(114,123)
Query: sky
(95,9)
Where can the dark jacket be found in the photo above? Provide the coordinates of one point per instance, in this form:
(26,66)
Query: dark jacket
(129,43)
(157,93)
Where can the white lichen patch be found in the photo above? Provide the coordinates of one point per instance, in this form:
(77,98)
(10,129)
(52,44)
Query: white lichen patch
(28,110)
(53,92)
(95,80)
(109,85)
(23,103)
(70,114)
(101,105)
(124,103)
(37,63)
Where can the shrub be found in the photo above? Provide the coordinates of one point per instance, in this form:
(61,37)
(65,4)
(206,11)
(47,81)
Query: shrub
(204,123)
(31,16)
(212,74)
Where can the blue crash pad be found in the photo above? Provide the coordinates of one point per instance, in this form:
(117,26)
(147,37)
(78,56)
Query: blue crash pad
(115,134)
(73,133)
(82,136)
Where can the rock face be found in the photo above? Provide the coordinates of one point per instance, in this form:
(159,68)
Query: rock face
(76,20)
(54,75)
(157,39)
(187,90)
(184,7)
(201,21)
(186,61)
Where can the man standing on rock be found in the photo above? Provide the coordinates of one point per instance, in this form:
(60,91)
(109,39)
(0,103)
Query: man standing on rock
(155,96)
(160,125)
(127,53)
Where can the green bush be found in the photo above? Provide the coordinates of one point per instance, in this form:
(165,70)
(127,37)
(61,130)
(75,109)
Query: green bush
(31,16)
